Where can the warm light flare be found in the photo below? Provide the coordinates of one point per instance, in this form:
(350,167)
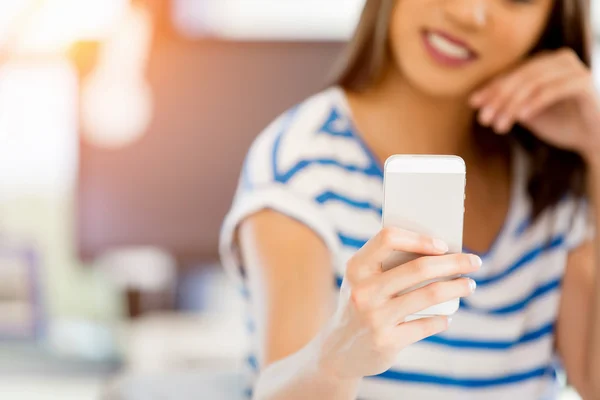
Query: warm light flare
(49,26)
(267,19)
(116,100)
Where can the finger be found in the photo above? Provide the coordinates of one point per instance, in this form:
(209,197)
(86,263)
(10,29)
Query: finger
(507,114)
(494,101)
(367,261)
(423,270)
(396,310)
(507,88)
(483,96)
(492,98)
(550,95)
(414,331)
(520,73)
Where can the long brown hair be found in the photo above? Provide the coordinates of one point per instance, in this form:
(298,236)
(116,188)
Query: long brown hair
(554,172)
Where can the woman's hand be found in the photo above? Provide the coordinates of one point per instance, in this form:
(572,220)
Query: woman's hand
(368,329)
(553,95)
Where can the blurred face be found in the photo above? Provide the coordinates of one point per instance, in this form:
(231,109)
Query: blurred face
(450,47)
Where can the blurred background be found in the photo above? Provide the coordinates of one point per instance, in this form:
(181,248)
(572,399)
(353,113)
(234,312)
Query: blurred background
(123,127)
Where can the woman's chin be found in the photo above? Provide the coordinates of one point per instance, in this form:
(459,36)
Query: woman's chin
(442,90)
(439,83)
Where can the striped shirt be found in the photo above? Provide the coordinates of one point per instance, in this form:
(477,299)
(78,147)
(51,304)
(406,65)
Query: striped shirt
(311,165)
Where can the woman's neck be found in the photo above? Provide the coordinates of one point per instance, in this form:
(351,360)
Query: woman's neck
(397,118)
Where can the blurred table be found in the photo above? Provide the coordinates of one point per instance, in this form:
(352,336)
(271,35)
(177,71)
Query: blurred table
(192,385)
(29,359)
(26,387)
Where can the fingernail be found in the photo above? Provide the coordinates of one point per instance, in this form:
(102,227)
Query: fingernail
(476,261)
(503,124)
(440,245)
(449,321)
(486,116)
(472,285)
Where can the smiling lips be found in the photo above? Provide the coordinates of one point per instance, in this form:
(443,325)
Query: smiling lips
(447,50)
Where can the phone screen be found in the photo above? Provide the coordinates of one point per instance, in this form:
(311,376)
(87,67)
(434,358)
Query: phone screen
(431,203)
(427,203)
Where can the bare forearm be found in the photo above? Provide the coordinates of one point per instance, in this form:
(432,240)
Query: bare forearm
(593,362)
(299,377)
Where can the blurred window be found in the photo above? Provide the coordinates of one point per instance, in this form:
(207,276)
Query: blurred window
(267,19)
(38,88)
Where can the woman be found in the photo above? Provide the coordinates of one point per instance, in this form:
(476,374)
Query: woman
(506,85)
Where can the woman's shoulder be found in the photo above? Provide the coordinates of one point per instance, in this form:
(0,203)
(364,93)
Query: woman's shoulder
(323,112)
(317,132)
(290,168)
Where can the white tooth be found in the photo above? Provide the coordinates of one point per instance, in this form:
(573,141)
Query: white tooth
(443,45)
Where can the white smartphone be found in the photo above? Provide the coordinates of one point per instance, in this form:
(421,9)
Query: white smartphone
(425,194)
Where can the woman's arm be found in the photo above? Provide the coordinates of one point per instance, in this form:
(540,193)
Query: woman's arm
(576,319)
(308,350)
(292,288)
(578,336)
(593,374)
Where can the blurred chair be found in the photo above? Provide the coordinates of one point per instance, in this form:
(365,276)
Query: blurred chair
(147,274)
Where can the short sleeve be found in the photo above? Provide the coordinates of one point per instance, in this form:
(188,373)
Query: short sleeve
(259,189)
(581,227)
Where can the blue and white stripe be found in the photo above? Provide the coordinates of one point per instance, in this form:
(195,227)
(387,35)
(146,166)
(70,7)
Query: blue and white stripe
(311,164)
